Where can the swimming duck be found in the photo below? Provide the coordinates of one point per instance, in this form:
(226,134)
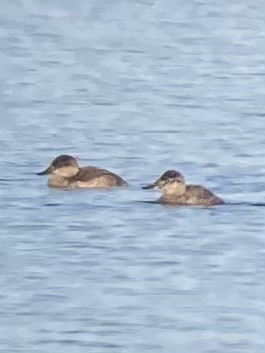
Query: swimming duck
(66,173)
(175,191)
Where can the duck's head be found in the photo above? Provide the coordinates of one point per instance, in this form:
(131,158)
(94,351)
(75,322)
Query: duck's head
(65,166)
(171,179)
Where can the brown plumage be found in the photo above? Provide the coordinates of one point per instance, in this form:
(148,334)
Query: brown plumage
(175,191)
(66,173)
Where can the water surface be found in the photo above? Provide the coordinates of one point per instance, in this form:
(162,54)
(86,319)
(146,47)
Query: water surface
(137,87)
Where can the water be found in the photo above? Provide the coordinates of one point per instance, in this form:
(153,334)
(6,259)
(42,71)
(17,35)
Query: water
(137,87)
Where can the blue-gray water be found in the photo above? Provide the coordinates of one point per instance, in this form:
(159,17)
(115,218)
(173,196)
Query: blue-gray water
(137,87)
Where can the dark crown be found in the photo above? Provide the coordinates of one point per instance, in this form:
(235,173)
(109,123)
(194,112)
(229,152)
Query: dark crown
(64,161)
(170,174)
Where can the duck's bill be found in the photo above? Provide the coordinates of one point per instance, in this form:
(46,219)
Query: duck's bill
(49,170)
(150,186)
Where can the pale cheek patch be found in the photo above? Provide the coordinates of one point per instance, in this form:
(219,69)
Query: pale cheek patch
(161,184)
(66,172)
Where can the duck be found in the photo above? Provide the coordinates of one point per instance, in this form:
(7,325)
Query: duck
(65,173)
(176,192)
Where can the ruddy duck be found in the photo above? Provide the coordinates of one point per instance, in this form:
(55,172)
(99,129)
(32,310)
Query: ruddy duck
(66,173)
(175,191)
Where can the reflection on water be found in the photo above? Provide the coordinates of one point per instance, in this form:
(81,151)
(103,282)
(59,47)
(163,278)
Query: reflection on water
(137,88)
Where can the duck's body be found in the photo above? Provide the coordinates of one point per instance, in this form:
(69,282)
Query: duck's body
(175,191)
(66,174)
(194,195)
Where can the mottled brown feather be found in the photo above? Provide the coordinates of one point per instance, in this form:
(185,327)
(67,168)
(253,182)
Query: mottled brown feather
(194,195)
(89,173)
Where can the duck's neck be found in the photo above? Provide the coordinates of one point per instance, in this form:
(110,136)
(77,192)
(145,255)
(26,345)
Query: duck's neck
(56,181)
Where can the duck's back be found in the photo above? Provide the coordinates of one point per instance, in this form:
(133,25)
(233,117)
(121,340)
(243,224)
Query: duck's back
(97,177)
(199,195)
